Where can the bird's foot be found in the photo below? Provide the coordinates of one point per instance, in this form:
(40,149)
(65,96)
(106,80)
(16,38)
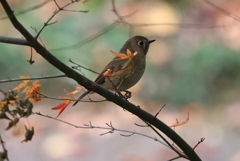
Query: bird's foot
(127,94)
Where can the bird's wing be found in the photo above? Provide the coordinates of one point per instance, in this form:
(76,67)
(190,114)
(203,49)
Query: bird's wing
(114,66)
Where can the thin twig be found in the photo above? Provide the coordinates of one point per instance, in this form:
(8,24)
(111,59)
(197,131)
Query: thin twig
(32,78)
(174,158)
(199,142)
(223,11)
(110,128)
(89,39)
(54,14)
(131,26)
(29,9)
(34,28)
(78,65)
(199,26)
(159,110)
(165,140)
(54,98)
(115,11)
(158,133)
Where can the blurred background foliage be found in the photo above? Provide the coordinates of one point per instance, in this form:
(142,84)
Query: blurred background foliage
(193,64)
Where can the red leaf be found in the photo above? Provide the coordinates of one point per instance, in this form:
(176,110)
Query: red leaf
(61,107)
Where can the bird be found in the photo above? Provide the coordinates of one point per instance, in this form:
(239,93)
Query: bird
(122,74)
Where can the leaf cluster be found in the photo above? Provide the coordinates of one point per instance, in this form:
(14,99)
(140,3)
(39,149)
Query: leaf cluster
(21,108)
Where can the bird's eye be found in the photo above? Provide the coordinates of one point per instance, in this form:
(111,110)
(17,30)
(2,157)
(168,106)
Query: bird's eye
(140,43)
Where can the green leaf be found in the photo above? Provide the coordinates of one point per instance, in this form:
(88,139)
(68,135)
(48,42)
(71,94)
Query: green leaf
(29,134)
(12,123)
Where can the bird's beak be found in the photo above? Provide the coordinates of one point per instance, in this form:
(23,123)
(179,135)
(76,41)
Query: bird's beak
(150,41)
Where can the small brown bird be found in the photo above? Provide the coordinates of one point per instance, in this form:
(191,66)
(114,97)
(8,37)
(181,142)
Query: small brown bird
(124,73)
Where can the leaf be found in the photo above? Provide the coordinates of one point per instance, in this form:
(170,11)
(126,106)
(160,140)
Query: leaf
(129,54)
(4,116)
(2,103)
(28,134)
(33,92)
(22,76)
(62,106)
(35,96)
(26,108)
(35,87)
(180,123)
(108,73)
(12,123)
(25,82)
(78,89)
(29,107)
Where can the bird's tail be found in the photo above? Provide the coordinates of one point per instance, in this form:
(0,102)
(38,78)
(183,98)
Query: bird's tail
(83,95)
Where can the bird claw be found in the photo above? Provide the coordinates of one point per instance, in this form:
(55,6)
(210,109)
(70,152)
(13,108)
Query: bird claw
(127,94)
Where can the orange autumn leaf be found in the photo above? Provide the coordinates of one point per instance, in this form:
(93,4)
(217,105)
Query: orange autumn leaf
(129,54)
(108,73)
(23,76)
(33,92)
(180,123)
(78,89)
(35,87)
(2,103)
(35,99)
(35,96)
(25,82)
(62,106)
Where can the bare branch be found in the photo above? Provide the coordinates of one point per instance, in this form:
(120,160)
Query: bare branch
(131,26)
(29,9)
(199,26)
(32,78)
(39,37)
(78,65)
(174,158)
(110,128)
(223,11)
(54,98)
(47,23)
(15,41)
(115,11)
(127,135)
(89,39)
(159,110)
(199,142)
(165,140)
